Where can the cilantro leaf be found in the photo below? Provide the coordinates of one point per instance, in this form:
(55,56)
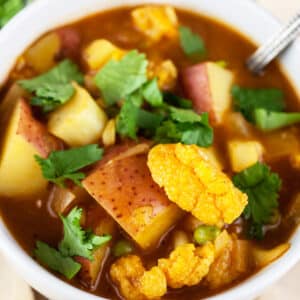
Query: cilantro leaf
(56,261)
(77,241)
(174,100)
(62,165)
(152,93)
(8,8)
(187,127)
(247,100)
(118,79)
(262,187)
(191,43)
(53,88)
(271,120)
(131,118)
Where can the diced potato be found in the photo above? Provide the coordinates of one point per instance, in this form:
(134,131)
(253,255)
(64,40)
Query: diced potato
(156,22)
(244,154)
(78,122)
(208,85)
(125,189)
(264,257)
(109,133)
(99,52)
(165,72)
(41,56)
(91,270)
(20,174)
(281,143)
(179,237)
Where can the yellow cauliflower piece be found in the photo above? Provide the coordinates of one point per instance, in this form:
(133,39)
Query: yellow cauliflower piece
(156,22)
(153,283)
(165,72)
(187,265)
(195,184)
(125,273)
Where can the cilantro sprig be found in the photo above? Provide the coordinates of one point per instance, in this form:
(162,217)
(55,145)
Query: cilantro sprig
(76,242)
(65,164)
(53,88)
(262,187)
(191,43)
(118,79)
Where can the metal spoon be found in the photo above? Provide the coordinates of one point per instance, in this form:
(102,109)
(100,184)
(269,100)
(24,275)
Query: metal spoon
(274,46)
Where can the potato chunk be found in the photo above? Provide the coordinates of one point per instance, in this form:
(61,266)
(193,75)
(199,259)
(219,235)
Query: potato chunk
(125,189)
(20,174)
(99,52)
(156,22)
(244,154)
(208,86)
(78,122)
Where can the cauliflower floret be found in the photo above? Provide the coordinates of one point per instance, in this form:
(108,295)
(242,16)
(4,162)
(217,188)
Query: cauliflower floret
(233,258)
(195,184)
(187,265)
(156,22)
(165,72)
(125,273)
(153,283)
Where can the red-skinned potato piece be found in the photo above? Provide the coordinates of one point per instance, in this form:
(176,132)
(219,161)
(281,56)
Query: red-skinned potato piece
(208,86)
(123,186)
(101,224)
(70,42)
(20,174)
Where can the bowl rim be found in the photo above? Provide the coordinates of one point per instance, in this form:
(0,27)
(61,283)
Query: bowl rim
(49,284)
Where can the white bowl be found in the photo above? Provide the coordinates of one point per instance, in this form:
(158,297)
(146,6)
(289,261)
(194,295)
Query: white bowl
(44,15)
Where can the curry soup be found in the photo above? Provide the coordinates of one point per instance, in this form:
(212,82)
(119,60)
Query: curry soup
(144,161)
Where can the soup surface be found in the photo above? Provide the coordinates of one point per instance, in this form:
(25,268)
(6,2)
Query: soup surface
(184,178)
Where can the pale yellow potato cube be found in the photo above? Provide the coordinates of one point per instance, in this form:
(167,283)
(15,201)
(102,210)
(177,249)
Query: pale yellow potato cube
(244,154)
(41,56)
(78,122)
(20,174)
(99,52)
(156,22)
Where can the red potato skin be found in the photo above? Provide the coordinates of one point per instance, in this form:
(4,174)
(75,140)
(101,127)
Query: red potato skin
(70,43)
(195,83)
(35,132)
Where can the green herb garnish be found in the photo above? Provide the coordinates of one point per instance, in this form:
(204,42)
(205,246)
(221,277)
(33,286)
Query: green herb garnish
(55,261)
(76,242)
(191,43)
(118,79)
(262,187)
(65,164)
(247,100)
(53,88)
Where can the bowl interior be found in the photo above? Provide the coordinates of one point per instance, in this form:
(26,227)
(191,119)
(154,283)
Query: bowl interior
(245,16)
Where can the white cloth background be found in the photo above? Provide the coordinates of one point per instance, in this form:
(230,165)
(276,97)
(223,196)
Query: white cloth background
(13,288)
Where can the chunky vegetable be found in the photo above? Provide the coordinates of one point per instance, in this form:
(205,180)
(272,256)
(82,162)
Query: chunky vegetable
(191,43)
(8,8)
(196,185)
(122,247)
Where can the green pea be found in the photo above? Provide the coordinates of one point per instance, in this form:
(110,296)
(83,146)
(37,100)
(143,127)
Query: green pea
(205,233)
(122,247)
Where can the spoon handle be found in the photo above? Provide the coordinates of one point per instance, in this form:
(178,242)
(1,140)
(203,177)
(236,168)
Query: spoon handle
(274,46)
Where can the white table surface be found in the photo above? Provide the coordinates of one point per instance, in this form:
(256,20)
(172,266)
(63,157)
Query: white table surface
(13,288)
